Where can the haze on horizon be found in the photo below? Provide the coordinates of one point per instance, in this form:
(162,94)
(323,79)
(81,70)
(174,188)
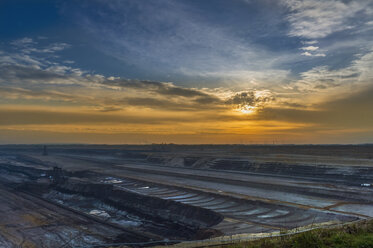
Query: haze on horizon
(186,71)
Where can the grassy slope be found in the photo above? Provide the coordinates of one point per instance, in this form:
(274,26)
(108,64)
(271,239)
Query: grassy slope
(358,235)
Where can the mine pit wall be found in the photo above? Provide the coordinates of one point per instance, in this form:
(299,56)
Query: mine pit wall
(350,175)
(32,173)
(191,217)
(283,188)
(356,173)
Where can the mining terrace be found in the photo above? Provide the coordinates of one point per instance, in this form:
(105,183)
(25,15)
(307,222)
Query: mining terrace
(136,196)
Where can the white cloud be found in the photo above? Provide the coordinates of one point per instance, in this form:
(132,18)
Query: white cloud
(22,42)
(31,53)
(310,48)
(310,42)
(320,55)
(314,19)
(307,54)
(313,54)
(359,73)
(55,47)
(364,65)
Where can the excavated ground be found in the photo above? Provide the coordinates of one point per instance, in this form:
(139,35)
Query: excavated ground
(135,219)
(161,193)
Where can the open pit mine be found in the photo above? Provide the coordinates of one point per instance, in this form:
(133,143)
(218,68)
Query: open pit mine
(154,195)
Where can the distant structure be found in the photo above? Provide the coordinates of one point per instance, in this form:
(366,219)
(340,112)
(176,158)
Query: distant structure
(45,152)
(57,175)
(163,147)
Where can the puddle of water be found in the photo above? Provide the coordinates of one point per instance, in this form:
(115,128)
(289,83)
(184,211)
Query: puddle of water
(126,223)
(95,207)
(178,197)
(100,213)
(112,180)
(255,211)
(274,214)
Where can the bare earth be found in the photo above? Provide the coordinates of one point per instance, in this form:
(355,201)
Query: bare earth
(256,189)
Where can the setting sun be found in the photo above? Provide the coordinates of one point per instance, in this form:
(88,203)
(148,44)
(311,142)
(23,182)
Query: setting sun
(246,109)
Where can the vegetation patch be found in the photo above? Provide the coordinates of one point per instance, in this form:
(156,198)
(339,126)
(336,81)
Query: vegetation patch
(358,235)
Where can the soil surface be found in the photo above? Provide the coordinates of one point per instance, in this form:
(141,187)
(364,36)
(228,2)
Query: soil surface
(81,195)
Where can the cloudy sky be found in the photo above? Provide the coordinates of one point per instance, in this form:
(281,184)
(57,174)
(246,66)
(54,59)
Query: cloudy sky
(186,71)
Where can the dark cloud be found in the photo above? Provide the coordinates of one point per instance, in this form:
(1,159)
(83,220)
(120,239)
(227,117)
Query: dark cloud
(149,94)
(19,72)
(109,109)
(320,87)
(23,93)
(356,103)
(168,104)
(292,115)
(208,100)
(326,84)
(352,75)
(148,102)
(291,104)
(351,111)
(165,96)
(248,99)
(244,98)
(166,89)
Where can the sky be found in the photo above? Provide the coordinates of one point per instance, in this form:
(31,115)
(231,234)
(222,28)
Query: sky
(186,71)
